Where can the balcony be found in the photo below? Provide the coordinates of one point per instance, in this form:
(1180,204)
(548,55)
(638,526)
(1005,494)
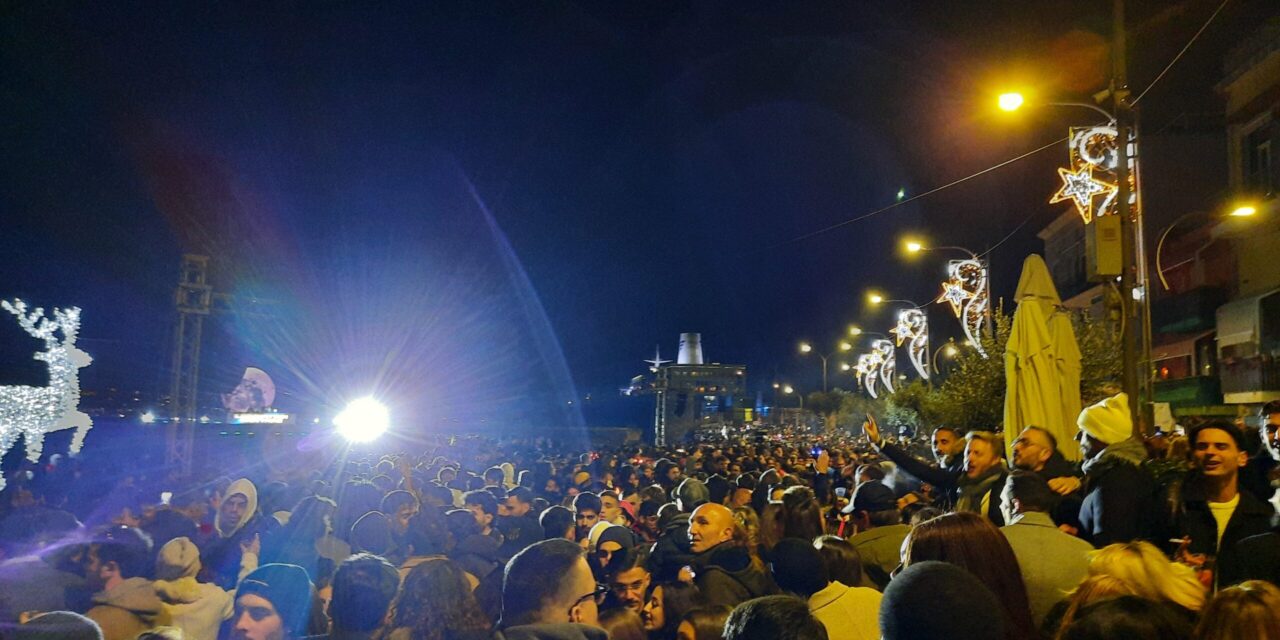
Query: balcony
(1190,312)
(1252,379)
(1196,391)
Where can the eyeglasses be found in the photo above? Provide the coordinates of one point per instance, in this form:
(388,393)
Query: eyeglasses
(597,594)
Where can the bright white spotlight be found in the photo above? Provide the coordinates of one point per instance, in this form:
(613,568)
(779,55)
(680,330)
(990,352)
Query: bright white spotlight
(148,418)
(363,420)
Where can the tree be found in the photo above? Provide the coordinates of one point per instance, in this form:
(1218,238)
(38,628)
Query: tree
(825,404)
(972,397)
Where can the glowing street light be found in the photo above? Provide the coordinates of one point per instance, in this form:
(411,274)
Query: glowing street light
(363,420)
(788,389)
(1243,211)
(1011,101)
(148,418)
(913,246)
(855,330)
(875,298)
(844,366)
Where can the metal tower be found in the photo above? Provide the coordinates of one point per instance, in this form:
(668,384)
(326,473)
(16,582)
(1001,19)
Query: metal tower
(193,298)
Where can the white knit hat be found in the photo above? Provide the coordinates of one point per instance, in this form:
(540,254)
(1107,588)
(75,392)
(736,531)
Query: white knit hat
(178,558)
(1108,421)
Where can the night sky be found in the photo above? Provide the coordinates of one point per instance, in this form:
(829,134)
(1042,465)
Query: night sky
(484,210)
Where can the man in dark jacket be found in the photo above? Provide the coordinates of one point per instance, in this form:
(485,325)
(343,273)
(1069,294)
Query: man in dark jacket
(724,569)
(948,451)
(974,487)
(548,593)
(1261,475)
(1213,513)
(1118,493)
(236,523)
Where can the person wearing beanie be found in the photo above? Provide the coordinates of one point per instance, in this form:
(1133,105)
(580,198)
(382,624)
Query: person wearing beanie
(1119,496)
(273,603)
(848,612)
(939,600)
(56,625)
(197,608)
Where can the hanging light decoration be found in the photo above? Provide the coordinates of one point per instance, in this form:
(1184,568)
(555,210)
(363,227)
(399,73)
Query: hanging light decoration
(913,328)
(883,350)
(867,371)
(966,290)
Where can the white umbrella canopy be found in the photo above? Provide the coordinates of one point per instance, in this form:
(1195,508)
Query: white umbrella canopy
(1042,363)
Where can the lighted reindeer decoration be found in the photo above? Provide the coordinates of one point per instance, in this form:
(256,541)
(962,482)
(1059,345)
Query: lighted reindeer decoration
(32,412)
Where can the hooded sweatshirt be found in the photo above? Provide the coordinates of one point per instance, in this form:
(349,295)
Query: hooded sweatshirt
(198,608)
(244,487)
(128,609)
(726,574)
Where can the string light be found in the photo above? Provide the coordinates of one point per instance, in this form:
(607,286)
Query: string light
(913,328)
(32,412)
(966,290)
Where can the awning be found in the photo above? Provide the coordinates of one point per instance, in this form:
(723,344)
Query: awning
(1238,321)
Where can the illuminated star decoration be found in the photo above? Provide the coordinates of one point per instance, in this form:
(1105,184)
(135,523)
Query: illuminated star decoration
(913,328)
(1081,188)
(866,369)
(954,292)
(883,350)
(31,412)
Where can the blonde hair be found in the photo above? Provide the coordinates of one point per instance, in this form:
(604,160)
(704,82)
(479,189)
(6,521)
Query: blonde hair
(1092,589)
(1249,610)
(1149,574)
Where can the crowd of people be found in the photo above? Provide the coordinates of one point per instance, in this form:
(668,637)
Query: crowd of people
(813,537)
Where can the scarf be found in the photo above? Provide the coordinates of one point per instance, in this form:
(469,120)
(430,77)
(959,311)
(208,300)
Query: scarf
(1123,452)
(972,489)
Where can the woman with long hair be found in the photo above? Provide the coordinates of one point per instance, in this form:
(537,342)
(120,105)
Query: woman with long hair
(1247,611)
(1150,574)
(971,542)
(801,514)
(436,603)
(704,623)
(666,605)
(841,559)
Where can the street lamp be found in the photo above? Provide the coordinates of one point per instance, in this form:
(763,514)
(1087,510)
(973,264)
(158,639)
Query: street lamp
(1241,211)
(949,348)
(790,390)
(805,348)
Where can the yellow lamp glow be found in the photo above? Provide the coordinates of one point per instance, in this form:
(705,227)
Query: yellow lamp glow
(845,346)
(875,298)
(788,389)
(1244,211)
(805,347)
(844,366)
(914,247)
(1010,101)
(855,330)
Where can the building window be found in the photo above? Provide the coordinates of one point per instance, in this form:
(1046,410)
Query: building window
(1257,160)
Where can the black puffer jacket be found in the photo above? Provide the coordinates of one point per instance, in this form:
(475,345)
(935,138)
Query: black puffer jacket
(726,575)
(671,551)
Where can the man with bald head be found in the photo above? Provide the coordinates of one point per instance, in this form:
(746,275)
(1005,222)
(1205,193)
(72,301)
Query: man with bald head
(724,568)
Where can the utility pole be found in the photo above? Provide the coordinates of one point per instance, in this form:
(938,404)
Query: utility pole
(1132,292)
